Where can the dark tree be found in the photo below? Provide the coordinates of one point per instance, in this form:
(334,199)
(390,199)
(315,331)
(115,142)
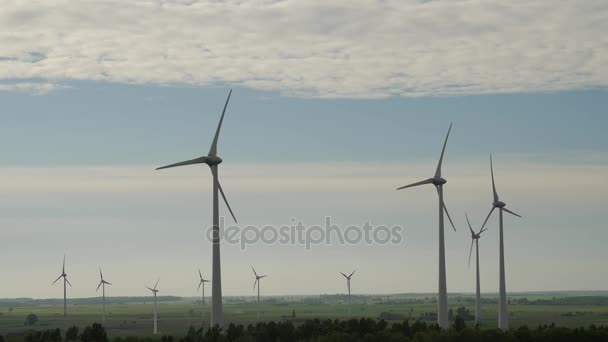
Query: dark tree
(94,333)
(459,324)
(71,334)
(31,319)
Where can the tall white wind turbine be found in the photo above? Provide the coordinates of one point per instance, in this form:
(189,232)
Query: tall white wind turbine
(475,239)
(102,284)
(503,312)
(438,182)
(213,161)
(201,284)
(257,282)
(348,277)
(65,281)
(154,292)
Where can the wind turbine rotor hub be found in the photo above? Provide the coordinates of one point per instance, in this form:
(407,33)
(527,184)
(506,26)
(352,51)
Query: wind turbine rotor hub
(439,180)
(500,204)
(213,160)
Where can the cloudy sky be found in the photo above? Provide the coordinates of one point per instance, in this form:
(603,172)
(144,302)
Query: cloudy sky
(334,105)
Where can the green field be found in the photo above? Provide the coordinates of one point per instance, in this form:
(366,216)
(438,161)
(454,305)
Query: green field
(175,316)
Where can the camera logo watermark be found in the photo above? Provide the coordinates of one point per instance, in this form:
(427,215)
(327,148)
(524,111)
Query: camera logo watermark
(299,234)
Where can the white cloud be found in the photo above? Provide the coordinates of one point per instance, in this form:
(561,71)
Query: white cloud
(313,48)
(40,88)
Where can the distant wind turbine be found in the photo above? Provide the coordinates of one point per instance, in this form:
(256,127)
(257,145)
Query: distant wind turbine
(213,161)
(475,239)
(154,292)
(102,284)
(503,312)
(65,281)
(201,284)
(438,182)
(348,286)
(257,282)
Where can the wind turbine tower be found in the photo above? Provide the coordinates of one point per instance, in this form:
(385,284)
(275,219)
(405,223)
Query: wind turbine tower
(348,277)
(213,161)
(201,284)
(475,239)
(438,181)
(503,311)
(257,282)
(154,292)
(65,281)
(102,284)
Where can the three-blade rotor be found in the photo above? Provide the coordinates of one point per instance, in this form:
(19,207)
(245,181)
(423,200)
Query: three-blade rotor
(202,280)
(257,277)
(63,274)
(437,180)
(474,237)
(497,202)
(101,281)
(212,160)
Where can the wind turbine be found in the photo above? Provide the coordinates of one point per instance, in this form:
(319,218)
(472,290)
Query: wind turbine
(257,282)
(213,161)
(348,286)
(475,239)
(65,281)
(102,284)
(438,182)
(202,284)
(503,312)
(154,292)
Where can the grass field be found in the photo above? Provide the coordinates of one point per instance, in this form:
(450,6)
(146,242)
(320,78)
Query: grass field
(135,319)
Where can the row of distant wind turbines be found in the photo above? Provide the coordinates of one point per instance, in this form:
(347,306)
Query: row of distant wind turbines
(213,160)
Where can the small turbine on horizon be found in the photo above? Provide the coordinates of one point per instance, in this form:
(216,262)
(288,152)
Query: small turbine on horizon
(348,277)
(438,182)
(503,312)
(201,284)
(154,292)
(102,284)
(65,281)
(257,282)
(475,239)
(213,161)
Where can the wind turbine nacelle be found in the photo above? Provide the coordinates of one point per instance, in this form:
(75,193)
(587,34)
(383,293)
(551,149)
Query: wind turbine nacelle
(213,160)
(500,204)
(439,181)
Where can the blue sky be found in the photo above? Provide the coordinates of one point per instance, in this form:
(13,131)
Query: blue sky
(334,105)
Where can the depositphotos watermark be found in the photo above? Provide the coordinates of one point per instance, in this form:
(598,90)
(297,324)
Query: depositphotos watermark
(299,234)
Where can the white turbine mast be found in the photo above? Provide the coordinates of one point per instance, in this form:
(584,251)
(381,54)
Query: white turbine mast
(503,311)
(213,161)
(438,182)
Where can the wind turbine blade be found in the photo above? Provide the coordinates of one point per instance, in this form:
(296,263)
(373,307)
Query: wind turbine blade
(98,286)
(493,184)
(427,181)
(213,149)
(352,273)
(201,160)
(107,283)
(199,286)
(469,222)
(63,269)
(345,276)
(226,201)
(254,271)
(264,276)
(200,274)
(510,212)
(448,214)
(254,283)
(156,283)
(67,281)
(438,171)
(487,218)
(57,279)
(100,274)
(149,289)
(471,251)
